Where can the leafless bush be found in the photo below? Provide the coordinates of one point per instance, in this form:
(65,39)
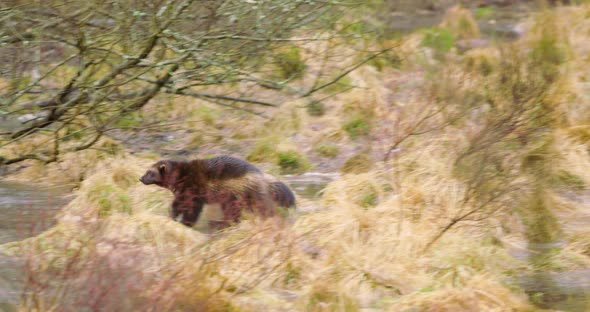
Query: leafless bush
(509,123)
(81,67)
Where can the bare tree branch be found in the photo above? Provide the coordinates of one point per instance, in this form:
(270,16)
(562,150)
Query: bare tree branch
(106,60)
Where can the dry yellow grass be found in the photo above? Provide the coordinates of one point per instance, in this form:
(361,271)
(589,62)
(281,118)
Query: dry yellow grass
(353,253)
(461,22)
(348,255)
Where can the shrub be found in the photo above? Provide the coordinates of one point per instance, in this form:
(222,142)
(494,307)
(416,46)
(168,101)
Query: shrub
(316,108)
(264,150)
(129,121)
(370,199)
(480,62)
(441,40)
(292,162)
(343,84)
(461,23)
(357,127)
(549,48)
(358,163)
(484,13)
(290,63)
(328,150)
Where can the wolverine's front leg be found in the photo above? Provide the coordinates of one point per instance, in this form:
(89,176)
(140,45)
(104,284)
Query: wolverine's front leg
(175,211)
(193,211)
(189,208)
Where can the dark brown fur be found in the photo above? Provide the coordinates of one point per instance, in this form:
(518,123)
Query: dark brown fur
(233,183)
(281,194)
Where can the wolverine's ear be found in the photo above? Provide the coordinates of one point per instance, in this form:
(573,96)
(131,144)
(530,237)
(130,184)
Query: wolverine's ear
(162,169)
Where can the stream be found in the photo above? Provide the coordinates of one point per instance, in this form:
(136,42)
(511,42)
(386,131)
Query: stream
(563,291)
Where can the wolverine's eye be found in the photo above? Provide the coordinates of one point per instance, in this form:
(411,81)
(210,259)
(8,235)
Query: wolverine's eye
(162,169)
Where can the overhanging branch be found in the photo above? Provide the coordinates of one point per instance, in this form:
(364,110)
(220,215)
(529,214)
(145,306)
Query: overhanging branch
(346,72)
(220,97)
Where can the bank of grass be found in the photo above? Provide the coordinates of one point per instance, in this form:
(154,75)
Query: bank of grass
(348,255)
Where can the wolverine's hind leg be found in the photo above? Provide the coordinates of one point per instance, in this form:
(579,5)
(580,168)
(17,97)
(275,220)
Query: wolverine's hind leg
(260,203)
(231,210)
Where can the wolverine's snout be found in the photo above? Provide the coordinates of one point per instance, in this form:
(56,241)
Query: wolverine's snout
(148,178)
(143,180)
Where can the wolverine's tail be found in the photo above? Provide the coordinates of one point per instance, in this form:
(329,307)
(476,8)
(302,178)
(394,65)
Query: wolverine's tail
(281,194)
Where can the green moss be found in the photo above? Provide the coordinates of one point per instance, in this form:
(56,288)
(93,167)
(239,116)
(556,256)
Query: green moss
(547,50)
(328,150)
(292,162)
(20,82)
(358,28)
(357,127)
(484,12)
(370,199)
(441,40)
(341,85)
(360,115)
(129,121)
(389,60)
(73,132)
(293,274)
(316,108)
(290,63)
(264,150)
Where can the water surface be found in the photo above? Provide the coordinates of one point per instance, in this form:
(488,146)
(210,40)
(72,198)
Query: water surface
(567,290)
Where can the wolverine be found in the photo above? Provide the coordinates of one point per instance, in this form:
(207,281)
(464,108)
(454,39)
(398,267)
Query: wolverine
(235,184)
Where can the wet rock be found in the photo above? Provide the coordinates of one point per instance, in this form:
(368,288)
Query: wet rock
(31,117)
(468,44)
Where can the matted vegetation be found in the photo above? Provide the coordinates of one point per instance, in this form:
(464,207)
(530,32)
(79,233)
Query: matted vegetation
(448,159)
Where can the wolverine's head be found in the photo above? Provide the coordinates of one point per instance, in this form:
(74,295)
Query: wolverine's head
(159,174)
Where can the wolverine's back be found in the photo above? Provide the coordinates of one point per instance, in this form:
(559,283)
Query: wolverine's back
(227,167)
